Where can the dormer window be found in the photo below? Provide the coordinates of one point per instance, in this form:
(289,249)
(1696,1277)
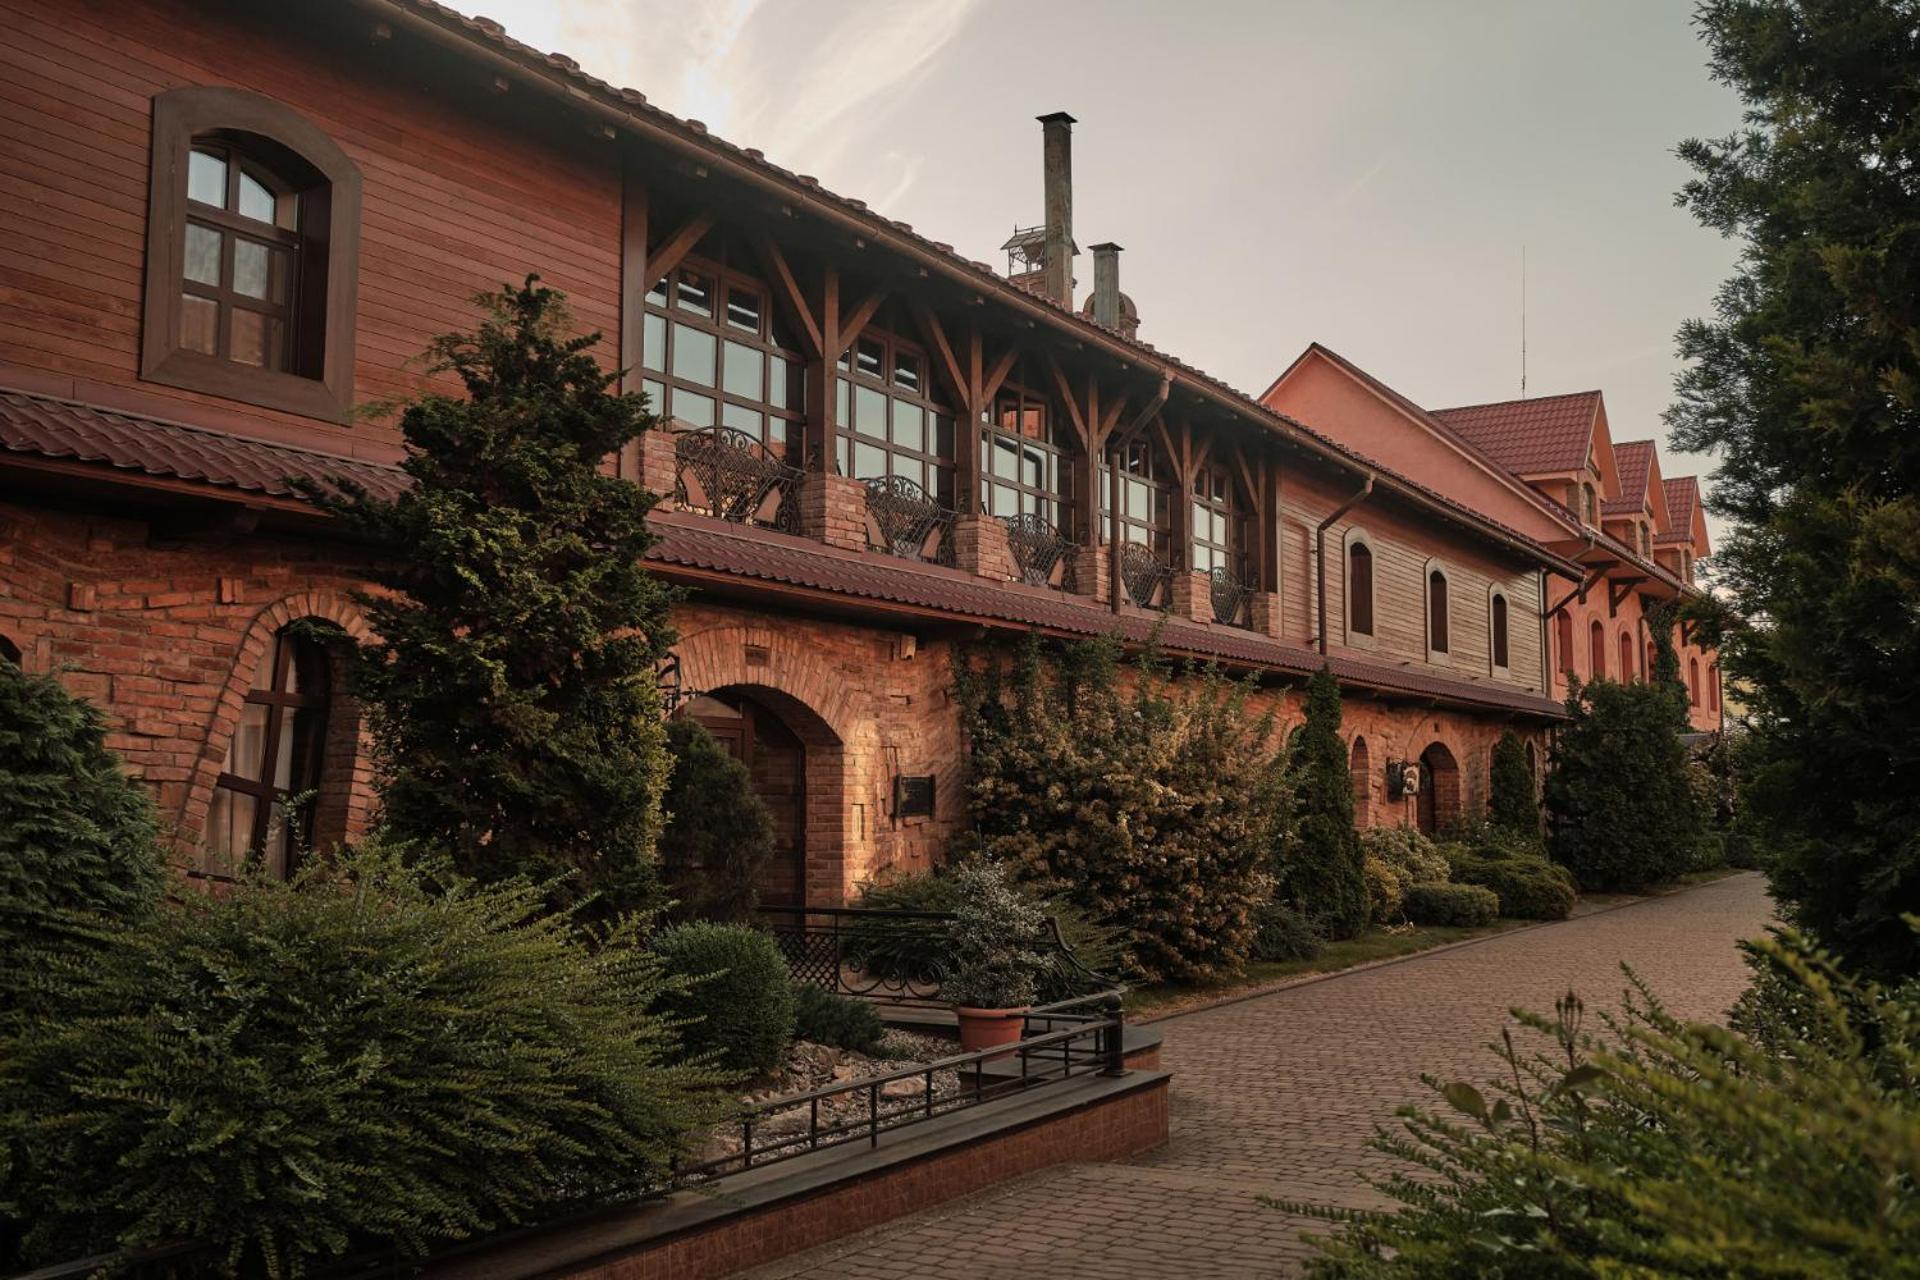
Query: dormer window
(1589,505)
(252,235)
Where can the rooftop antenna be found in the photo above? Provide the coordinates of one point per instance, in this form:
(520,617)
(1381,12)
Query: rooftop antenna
(1523,322)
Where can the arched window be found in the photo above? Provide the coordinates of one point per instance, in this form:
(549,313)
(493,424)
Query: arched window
(716,354)
(1693,681)
(1713,687)
(1626,655)
(10,651)
(1596,651)
(275,752)
(1439,618)
(889,419)
(1563,639)
(1497,625)
(1359,587)
(253,228)
(1360,769)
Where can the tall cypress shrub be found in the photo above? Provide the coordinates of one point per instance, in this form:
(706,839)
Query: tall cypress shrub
(1320,866)
(1514,804)
(1806,384)
(719,834)
(511,687)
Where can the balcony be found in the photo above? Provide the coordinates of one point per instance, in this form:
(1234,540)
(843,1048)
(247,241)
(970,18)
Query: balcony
(730,475)
(1146,575)
(1232,599)
(1042,555)
(904,520)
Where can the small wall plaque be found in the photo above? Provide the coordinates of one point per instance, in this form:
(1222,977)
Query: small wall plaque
(913,795)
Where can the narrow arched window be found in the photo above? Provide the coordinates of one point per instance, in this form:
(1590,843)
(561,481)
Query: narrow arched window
(1437,615)
(1693,681)
(1596,651)
(273,755)
(1360,589)
(1626,656)
(1563,639)
(1589,504)
(1497,615)
(253,230)
(1713,687)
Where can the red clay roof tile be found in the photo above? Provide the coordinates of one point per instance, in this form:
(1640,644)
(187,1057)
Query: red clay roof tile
(1530,437)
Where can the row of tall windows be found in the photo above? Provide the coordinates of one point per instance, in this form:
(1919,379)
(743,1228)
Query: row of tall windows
(1438,601)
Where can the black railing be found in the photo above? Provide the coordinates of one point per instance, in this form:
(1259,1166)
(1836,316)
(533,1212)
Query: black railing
(181,1261)
(1041,553)
(726,473)
(899,957)
(1146,575)
(1059,1041)
(903,519)
(1232,598)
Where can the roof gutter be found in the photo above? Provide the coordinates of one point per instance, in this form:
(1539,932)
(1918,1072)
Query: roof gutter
(1320,551)
(636,117)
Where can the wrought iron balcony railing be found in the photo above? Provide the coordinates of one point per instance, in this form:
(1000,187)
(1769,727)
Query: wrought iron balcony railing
(1146,575)
(726,473)
(903,519)
(1042,555)
(1232,598)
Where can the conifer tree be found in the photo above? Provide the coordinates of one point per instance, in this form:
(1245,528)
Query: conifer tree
(1806,384)
(511,687)
(1320,870)
(1514,804)
(719,834)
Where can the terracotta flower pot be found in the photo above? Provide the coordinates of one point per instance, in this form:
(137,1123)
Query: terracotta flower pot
(989,1028)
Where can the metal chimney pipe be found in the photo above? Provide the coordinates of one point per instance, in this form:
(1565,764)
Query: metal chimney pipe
(1106,284)
(1056,144)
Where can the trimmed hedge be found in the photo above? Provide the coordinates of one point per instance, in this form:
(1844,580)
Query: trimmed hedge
(740,1000)
(1283,933)
(825,1018)
(1529,887)
(1385,890)
(1451,904)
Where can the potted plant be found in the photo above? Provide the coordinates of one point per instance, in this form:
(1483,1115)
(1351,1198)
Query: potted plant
(992,975)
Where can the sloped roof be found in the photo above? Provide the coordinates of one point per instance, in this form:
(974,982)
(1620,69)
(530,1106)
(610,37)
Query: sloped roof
(1688,521)
(1633,463)
(1530,437)
(46,427)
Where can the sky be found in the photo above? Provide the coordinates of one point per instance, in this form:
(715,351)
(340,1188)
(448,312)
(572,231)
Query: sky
(1361,173)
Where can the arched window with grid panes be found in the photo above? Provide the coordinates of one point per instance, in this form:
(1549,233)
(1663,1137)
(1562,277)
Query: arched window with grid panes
(273,755)
(890,419)
(714,353)
(1026,459)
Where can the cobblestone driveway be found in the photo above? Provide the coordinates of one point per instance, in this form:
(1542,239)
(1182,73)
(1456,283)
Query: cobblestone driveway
(1278,1094)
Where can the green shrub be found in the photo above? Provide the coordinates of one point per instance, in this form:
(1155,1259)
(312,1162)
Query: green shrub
(1529,887)
(1654,1147)
(739,999)
(1408,851)
(1451,904)
(79,840)
(1283,933)
(825,1018)
(998,933)
(718,835)
(1320,866)
(1514,804)
(1384,890)
(1146,806)
(291,1070)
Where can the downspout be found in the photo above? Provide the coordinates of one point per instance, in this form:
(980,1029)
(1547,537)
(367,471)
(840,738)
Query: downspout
(1546,646)
(1120,439)
(1320,551)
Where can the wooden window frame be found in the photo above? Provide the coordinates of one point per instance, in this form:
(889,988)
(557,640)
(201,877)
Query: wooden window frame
(654,381)
(1356,636)
(1145,463)
(846,372)
(1563,635)
(1596,653)
(1443,653)
(1027,497)
(330,233)
(309,758)
(1627,663)
(1499,632)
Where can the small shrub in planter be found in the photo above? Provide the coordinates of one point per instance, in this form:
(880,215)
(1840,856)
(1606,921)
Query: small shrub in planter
(1408,851)
(739,998)
(1529,887)
(826,1018)
(1283,933)
(1384,890)
(1451,904)
(997,933)
(290,1071)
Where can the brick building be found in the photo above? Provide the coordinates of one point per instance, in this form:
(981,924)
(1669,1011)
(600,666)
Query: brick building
(225,229)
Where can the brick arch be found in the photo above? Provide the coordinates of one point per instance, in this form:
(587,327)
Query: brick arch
(815,702)
(1440,786)
(351,779)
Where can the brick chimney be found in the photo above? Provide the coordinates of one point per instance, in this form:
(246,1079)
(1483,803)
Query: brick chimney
(1106,284)
(1057,158)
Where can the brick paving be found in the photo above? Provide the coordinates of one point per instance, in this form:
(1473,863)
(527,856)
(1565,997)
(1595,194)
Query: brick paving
(1278,1094)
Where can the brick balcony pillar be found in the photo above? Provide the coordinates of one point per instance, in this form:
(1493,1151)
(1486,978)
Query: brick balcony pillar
(980,546)
(1263,613)
(649,462)
(1192,596)
(1090,572)
(833,510)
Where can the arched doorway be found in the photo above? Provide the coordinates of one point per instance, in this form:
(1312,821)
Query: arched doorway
(1360,765)
(1439,801)
(776,759)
